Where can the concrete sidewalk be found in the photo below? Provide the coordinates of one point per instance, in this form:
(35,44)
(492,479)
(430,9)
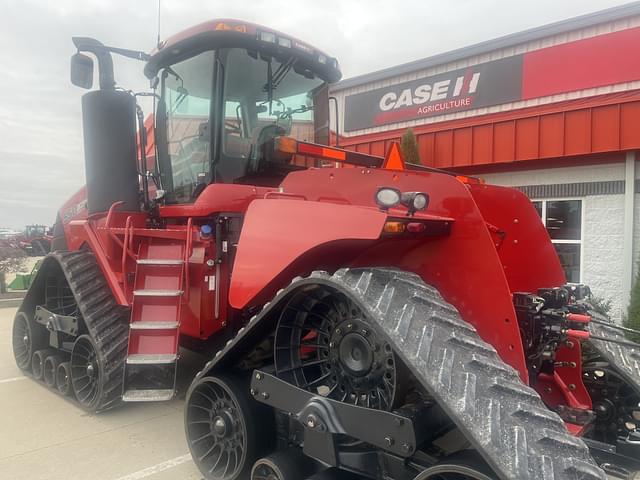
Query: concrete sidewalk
(44,436)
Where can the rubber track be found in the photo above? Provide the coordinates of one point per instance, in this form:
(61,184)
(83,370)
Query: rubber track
(626,360)
(106,321)
(505,420)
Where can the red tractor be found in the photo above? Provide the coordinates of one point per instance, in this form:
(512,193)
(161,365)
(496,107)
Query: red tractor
(378,320)
(36,240)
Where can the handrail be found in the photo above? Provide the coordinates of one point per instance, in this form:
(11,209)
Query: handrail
(187,255)
(112,209)
(127,229)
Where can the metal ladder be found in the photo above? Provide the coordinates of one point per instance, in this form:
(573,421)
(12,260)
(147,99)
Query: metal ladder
(152,356)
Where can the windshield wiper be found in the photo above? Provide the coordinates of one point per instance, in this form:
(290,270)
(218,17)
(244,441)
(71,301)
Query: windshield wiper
(274,79)
(183,93)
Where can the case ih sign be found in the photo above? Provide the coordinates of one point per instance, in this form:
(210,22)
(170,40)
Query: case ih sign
(587,63)
(482,85)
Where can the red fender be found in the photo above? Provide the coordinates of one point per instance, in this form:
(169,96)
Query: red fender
(527,255)
(277,232)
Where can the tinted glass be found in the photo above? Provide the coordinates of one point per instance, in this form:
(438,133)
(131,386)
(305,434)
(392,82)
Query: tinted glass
(564,218)
(188,88)
(569,254)
(256,109)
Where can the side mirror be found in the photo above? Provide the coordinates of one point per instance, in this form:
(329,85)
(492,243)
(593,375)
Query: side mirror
(82,71)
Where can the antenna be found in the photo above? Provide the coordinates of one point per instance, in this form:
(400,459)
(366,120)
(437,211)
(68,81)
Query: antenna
(159,10)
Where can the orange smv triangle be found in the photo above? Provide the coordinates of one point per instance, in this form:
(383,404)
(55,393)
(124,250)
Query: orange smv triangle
(394,160)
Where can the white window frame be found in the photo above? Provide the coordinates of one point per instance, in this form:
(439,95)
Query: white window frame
(580,242)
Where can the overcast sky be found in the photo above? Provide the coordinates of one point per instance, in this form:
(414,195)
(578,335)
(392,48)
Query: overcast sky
(41,161)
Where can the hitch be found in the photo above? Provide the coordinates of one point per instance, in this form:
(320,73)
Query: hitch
(322,418)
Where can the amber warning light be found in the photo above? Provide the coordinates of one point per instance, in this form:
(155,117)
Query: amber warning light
(290,145)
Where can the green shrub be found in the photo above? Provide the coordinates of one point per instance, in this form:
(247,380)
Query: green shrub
(409,147)
(633,313)
(601,305)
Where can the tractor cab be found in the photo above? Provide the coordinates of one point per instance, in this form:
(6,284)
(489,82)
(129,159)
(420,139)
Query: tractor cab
(226,91)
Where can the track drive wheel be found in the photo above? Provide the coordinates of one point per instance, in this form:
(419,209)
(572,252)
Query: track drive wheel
(27,337)
(86,372)
(49,370)
(325,344)
(63,378)
(226,429)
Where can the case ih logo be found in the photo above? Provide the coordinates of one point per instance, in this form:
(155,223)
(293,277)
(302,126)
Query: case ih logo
(481,85)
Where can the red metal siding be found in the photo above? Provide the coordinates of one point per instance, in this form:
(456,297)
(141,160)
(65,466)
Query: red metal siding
(606,123)
(629,123)
(463,145)
(527,135)
(605,127)
(551,139)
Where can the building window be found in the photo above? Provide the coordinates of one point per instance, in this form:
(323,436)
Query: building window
(563,219)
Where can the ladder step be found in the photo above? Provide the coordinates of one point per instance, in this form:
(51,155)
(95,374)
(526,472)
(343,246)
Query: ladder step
(157,293)
(159,261)
(147,395)
(153,325)
(151,358)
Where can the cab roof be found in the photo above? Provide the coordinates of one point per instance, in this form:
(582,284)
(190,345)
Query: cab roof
(230,33)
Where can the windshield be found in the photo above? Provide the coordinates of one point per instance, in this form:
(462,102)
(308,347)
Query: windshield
(263,97)
(256,98)
(187,88)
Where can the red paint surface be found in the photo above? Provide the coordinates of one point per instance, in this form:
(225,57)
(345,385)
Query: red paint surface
(592,62)
(276,232)
(463,266)
(526,253)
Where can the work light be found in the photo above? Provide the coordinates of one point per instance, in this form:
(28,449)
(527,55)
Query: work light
(414,201)
(388,197)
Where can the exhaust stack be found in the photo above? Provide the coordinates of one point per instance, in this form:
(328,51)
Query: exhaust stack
(109,125)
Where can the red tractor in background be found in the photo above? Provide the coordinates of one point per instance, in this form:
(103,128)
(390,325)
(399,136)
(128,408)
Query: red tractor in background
(36,240)
(382,321)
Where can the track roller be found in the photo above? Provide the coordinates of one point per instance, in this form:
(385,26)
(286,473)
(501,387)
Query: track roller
(334,474)
(37,362)
(226,430)
(466,465)
(63,378)
(27,337)
(49,370)
(284,465)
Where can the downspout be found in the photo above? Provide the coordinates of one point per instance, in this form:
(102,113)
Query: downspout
(629,216)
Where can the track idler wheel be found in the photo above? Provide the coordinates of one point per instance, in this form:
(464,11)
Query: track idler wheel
(227,431)
(27,337)
(49,370)
(283,465)
(460,466)
(63,378)
(37,363)
(86,372)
